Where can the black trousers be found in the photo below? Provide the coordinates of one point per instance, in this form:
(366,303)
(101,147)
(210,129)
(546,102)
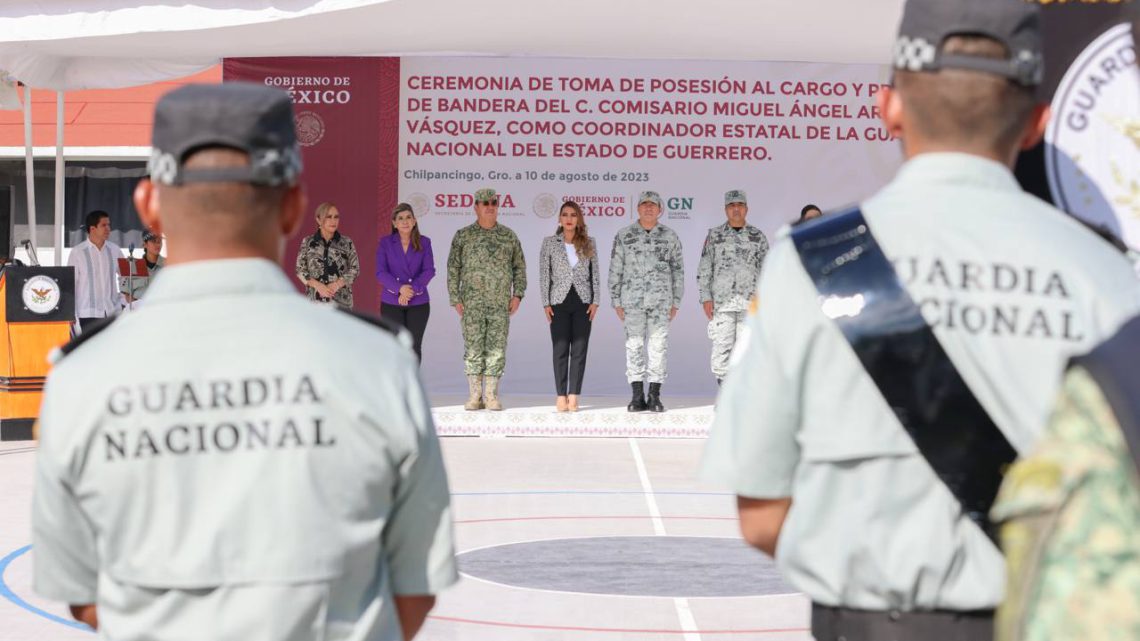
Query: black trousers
(86,323)
(415,318)
(570,333)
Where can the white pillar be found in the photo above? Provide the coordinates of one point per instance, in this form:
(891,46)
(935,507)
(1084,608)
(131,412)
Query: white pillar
(29,165)
(57,232)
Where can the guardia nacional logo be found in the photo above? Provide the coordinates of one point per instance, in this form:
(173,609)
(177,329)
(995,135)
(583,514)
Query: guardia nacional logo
(1092,156)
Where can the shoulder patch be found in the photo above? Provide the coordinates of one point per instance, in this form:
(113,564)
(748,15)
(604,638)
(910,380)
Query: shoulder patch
(382,323)
(87,335)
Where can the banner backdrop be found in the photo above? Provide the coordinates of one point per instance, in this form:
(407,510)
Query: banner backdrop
(345,110)
(542,131)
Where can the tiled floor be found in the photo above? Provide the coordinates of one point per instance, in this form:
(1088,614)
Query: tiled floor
(512,490)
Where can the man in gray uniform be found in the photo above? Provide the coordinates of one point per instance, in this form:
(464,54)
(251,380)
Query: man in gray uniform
(275,476)
(730,264)
(647,279)
(880,516)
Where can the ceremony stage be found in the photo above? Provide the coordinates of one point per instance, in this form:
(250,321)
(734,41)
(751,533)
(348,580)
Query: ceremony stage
(598,417)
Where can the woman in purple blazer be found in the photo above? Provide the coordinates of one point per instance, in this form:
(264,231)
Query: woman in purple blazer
(404,266)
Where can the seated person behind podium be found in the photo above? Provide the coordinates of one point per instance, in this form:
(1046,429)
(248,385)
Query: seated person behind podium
(275,475)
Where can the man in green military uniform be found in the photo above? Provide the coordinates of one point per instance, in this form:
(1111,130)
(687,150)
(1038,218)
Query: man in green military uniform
(730,264)
(486,278)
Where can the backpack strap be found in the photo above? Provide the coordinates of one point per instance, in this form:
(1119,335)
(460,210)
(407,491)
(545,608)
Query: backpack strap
(1113,365)
(861,292)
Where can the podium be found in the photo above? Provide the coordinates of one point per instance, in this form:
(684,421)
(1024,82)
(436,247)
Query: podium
(35,318)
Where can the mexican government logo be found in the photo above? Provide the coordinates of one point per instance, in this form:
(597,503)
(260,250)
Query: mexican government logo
(310,128)
(545,205)
(41,294)
(1092,156)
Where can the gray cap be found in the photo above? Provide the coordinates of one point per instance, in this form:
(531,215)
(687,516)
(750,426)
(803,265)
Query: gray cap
(735,196)
(650,197)
(236,115)
(1014,23)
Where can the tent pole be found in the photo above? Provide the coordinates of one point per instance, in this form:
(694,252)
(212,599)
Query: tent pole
(57,232)
(29,165)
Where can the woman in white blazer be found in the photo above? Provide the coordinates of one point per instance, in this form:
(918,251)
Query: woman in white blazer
(568,278)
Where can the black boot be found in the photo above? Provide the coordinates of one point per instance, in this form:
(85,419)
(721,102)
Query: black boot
(653,402)
(638,402)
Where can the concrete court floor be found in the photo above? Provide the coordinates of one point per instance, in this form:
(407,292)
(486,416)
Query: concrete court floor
(595,507)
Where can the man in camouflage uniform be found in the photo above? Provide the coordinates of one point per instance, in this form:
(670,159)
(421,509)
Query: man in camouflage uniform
(646,283)
(486,278)
(1071,510)
(730,265)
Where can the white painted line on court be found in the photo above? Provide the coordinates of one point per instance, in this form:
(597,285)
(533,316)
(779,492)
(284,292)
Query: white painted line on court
(684,612)
(647,487)
(685,616)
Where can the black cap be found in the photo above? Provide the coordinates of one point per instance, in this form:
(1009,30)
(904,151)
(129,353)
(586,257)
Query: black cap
(248,117)
(1014,23)
(148,236)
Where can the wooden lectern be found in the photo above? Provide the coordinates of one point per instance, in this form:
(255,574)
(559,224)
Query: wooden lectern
(35,318)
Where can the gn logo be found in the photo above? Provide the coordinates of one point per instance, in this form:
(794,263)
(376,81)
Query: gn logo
(678,202)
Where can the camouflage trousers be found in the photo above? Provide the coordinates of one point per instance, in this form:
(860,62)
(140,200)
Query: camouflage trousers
(644,326)
(484,340)
(724,329)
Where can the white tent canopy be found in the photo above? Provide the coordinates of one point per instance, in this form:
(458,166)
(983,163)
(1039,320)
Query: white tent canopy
(74,44)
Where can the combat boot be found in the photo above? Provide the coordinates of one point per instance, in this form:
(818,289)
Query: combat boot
(474,392)
(653,402)
(491,393)
(638,402)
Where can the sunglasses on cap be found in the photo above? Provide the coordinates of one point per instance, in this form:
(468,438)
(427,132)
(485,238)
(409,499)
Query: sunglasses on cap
(494,202)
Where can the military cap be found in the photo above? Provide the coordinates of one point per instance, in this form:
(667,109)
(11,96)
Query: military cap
(148,236)
(1014,23)
(486,194)
(735,196)
(236,115)
(650,197)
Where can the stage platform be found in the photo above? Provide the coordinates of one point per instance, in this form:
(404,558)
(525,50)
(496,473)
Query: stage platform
(598,417)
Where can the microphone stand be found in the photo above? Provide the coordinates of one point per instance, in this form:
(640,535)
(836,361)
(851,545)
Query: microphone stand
(131,278)
(32,256)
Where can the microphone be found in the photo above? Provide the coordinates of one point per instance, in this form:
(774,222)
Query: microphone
(131,251)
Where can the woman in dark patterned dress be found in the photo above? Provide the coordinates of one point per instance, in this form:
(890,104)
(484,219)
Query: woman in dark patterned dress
(327,263)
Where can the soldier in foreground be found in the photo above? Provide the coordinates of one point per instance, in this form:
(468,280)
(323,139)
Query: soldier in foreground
(730,264)
(276,474)
(647,279)
(1070,511)
(904,353)
(486,279)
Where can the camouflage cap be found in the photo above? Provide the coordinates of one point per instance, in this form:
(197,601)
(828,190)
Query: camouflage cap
(735,196)
(148,236)
(485,194)
(650,197)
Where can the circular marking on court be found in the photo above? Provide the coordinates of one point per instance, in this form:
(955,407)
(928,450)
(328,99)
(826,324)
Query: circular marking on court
(660,566)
